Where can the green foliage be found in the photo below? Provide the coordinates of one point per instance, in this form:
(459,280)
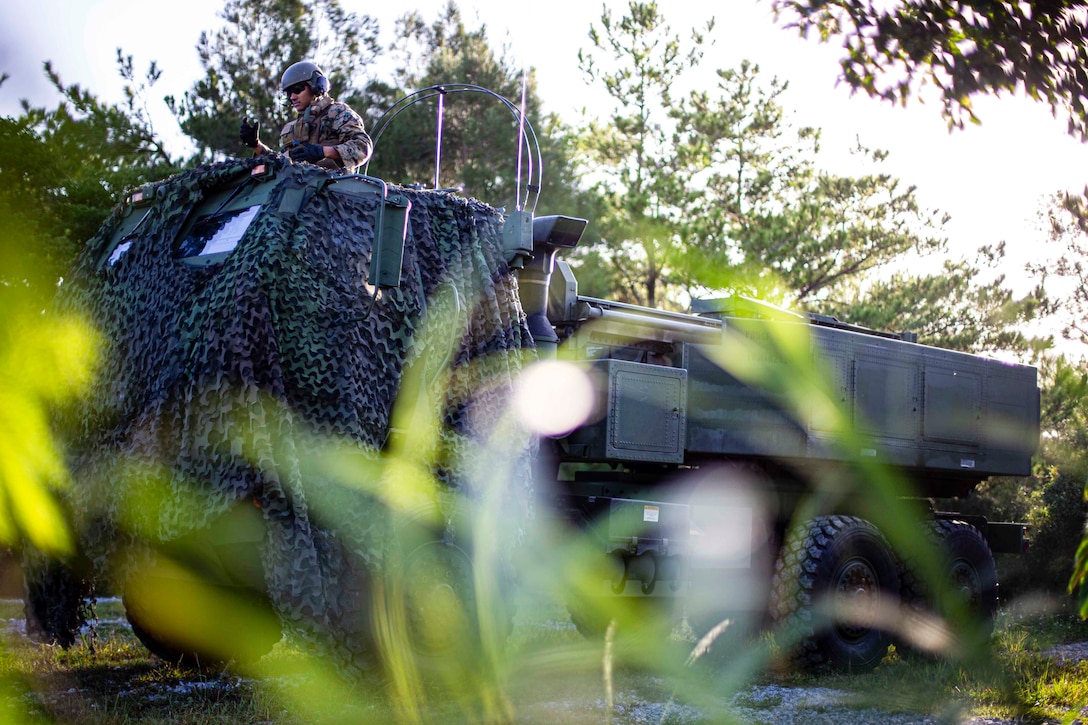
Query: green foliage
(116,681)
(245,58)
(726,198)
(1051,501)
(956,308)
(845,228)
(42,365)
(743,140)
(1062,470)
(479,134)
(1066,220)
(764,220)
(1057,526)
(44,361)
(633,151)
(962,48)
(63,170)
(1064,402)
(743,166)
(784,229)
(28,190)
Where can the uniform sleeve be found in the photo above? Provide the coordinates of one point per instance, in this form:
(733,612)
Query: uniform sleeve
(353,143)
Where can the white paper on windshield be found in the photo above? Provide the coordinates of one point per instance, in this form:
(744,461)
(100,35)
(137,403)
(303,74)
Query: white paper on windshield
(119,252)
(226,238)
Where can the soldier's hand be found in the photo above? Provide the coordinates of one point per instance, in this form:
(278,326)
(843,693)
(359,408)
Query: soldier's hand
(248,132)
(307,152)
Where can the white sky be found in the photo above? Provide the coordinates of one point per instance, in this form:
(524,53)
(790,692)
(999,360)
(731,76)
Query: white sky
(991,179)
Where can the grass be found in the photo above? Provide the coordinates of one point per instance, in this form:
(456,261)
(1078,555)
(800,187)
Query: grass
(555,677)
(1014,678)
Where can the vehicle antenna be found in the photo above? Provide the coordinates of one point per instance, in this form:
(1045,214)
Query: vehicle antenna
(521,138)
(438,133)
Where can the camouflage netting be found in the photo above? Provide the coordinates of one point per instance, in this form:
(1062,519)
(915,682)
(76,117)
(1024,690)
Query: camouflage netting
(219,381)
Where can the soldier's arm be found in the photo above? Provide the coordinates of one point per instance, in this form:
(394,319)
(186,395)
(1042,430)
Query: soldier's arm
(354,145)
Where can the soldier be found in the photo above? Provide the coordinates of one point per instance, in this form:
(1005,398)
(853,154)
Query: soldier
(326,132)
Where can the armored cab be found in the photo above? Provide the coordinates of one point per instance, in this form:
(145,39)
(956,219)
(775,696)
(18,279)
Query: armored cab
(259,321)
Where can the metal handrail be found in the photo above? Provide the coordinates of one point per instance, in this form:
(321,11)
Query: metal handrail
(525,129)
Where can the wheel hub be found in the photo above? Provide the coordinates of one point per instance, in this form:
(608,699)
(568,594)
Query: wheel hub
(857,597)
(439,600)
(967,583)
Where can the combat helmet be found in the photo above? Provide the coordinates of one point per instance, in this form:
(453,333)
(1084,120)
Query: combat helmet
(305,72)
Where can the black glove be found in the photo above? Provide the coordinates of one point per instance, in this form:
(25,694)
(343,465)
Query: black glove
(307,152)
(248,133)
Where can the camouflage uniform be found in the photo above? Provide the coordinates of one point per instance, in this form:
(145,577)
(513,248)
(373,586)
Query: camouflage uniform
(329,122)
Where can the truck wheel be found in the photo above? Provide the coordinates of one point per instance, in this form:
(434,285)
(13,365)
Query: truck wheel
(588,617)
(55,600)
(190,618)
(201,600)
(971,576)
(432,582)
(834,580)
(650,619)
(439,601)
(973,570)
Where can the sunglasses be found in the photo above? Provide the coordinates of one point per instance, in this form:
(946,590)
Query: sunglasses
(296,89)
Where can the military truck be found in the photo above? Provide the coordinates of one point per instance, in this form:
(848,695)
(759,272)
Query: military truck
(702,454)
(276,334)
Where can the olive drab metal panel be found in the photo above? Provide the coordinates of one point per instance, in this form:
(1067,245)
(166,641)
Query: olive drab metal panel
(953,405)
(647,412)
(939,412)
(641,414)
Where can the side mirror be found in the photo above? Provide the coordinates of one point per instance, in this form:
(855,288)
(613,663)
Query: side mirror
(549,235)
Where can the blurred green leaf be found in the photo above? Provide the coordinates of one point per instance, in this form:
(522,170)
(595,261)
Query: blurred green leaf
(42,365)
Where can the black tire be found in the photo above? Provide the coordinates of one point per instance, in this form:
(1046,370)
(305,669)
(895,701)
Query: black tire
(973,569)
(970,576)
(841,567)
(166,645)
(188,620)
(647,618)
(201,600)
(164,650)
(432,580)
(588,616)
(57,601)
(440,602)
(242,628)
